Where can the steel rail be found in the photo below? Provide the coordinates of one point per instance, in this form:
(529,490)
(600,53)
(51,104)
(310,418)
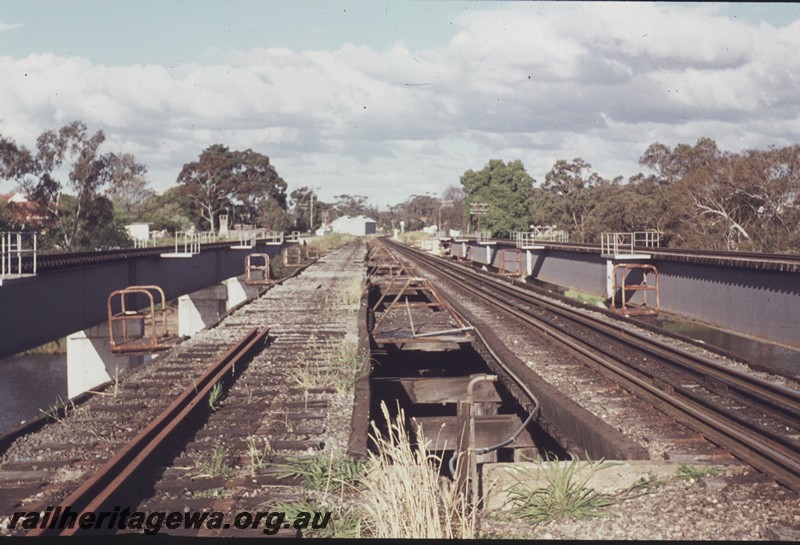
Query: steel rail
(753,445)
(118,476)
(780,402)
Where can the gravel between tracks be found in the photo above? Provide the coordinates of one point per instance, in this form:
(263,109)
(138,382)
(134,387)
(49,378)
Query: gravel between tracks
(736,505)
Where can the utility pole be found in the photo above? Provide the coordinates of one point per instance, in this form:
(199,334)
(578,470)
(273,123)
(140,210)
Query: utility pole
(313,198)
(478,208)
(304,206)
(443,204)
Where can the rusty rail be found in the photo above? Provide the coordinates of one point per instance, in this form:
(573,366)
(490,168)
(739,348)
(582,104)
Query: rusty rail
(120,476)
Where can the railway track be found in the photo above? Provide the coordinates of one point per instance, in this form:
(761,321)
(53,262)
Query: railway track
(175,434)
(756,420)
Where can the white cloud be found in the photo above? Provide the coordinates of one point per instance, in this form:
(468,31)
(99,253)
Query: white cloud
(10,26)
(531,81)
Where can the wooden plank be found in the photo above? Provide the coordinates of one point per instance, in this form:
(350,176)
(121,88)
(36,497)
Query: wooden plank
(489,430)
(447,390)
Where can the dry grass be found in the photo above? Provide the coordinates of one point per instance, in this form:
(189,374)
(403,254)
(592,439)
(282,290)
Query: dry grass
(332,241)
(343,364)
(350,292)
(404,495)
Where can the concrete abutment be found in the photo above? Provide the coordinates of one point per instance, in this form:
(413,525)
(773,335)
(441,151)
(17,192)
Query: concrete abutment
(91,361)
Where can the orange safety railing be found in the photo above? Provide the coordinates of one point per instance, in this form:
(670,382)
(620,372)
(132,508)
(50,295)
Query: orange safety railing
(644,287)
(256,274)
(140,330)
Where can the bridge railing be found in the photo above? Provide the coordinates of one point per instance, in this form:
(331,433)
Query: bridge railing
(548,233)
(16,246)
(273,237)
(144,242)
(522,239)
(187,242)
(207,237)
(246,239)
(626,243)
(649,239)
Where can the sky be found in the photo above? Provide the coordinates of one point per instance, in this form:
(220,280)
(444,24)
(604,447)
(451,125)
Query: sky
(388,98)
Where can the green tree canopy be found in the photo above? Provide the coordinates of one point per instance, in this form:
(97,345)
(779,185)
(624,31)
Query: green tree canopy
(353,205)
(259,189)
(66,163)
(243,182)
(170,211)
(567,198)
(504,188)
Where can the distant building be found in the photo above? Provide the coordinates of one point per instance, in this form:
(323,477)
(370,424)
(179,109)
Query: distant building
(358,225)
(139,231)
(323,230)
(24,212)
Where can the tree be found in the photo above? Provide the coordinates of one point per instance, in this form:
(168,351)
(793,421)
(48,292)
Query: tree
(566,195)
(170,212)
(208,182)
(353,205)
(7,220)
(109,227)
(240,181)
(273,216)
(416,212)
(256,181)
(505,189)
(69,149)
(451,208)
(420,211)
(128,189)
(770,181)
(724,200)
(303,201)
(638,205)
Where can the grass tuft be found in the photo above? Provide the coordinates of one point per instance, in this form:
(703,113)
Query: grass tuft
(258,456)
(350,292)
(214,396)
(340,369)
(689,471)
(566,494)
(215,464)
(324,472)
(404,495)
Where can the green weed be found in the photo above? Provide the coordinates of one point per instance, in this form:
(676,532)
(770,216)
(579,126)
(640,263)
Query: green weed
(566,493)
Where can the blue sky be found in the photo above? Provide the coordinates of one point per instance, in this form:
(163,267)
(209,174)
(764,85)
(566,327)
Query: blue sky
(171,32)
(391,98)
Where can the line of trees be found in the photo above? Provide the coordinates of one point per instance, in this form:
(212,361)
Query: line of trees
(81,198)
(696,195)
